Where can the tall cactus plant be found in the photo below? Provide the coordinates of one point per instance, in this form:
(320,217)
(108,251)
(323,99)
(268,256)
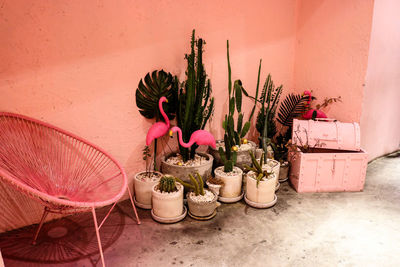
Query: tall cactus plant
(195,104)
(233,137)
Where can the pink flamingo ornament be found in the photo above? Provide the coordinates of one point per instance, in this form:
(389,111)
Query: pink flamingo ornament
(158,129)
(309,114)
(200,137)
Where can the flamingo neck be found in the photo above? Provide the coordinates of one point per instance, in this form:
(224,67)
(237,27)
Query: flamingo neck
(163,113)
(186,145)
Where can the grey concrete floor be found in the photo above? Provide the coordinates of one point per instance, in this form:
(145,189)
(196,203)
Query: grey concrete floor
(319,229)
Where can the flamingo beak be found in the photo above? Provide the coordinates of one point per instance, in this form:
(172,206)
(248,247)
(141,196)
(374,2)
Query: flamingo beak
(170,133)
(166,100)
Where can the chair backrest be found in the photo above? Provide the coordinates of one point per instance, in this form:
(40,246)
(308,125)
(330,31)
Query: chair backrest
(57,166)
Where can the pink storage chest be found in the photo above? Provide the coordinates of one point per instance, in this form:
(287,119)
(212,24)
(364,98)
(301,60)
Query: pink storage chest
(328,168)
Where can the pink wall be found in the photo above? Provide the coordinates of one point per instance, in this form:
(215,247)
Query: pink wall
(380,121)
(76,64)
(332,52)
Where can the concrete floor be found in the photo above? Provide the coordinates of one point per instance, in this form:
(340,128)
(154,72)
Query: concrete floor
(324,229)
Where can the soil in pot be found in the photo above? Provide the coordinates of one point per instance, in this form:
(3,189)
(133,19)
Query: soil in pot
(143,184)
(167,205)
(174,165)
(243,156)
(232,182)
(264,192)
(202,206)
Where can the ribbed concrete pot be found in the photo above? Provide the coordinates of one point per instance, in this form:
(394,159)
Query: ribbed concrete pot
(284,172)
(243,157)
(232,183)
(167,205)
(264,193)
(143,188)
(201,209)
(215,188)
(183,172)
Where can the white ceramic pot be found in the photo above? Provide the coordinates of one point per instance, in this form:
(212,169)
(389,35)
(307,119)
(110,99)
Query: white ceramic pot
(274,166)
(167,205)
(215,188)
(232,183)
(264,193)
(143,188)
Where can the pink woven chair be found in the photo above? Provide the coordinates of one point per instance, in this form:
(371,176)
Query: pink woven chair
(60,170)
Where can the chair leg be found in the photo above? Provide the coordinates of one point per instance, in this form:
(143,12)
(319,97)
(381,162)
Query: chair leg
(98,236)
(45,213)
(133,206)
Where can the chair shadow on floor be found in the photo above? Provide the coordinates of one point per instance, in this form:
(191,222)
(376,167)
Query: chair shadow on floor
(65,240)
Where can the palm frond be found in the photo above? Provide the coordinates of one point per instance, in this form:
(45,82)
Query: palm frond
(292,107)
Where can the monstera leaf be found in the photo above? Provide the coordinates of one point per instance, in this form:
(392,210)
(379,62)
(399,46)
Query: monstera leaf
(291,107)
(155,85)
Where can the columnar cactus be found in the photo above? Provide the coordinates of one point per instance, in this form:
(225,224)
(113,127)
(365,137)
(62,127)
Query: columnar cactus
(195,104)
(196,185)
(233,138)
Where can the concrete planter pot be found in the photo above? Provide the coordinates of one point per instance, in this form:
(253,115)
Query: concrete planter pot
(167,205)
(284,172)
(215,188)
(232,183)
(183,172)
(143,189)
(243,157)
(201,209)
(264,193)
(260,151)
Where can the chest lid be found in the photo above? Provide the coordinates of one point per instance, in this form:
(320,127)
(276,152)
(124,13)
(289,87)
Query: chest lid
(326,134)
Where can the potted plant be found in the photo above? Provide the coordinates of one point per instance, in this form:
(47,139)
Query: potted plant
(231,175)
(235,135)
(293,106)
(214,184)
(194,107)
(202,202)
(260,186)
(144,182)
(152,93)
(167,198)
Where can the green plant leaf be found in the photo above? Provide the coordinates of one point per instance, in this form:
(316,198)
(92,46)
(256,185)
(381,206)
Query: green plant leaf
(238,95)
(240,122)
(245,129)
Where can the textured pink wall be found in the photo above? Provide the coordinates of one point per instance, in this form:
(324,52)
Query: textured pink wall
(76,64)
(332,52)
(380,121)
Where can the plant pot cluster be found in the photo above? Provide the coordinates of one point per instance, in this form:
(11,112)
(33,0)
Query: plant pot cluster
(235,167)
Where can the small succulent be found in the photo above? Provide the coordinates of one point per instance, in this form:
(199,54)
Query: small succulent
(197,185)
(167,184)
(257,168)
